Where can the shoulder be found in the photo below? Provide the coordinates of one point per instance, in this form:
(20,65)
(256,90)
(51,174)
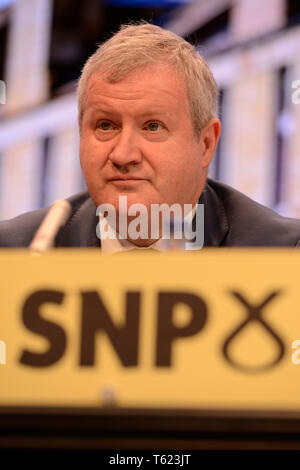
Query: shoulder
(19,231)
(251,223)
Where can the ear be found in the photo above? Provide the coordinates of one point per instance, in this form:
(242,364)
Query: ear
(209,138)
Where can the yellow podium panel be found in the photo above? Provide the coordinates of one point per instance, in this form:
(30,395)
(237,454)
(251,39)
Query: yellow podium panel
(218,328)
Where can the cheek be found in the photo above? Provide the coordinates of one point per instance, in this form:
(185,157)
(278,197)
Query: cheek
(85,149)
(176,167)
(92,155)
(82,154)
(181,173)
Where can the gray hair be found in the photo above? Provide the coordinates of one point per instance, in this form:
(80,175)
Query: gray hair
(138,45)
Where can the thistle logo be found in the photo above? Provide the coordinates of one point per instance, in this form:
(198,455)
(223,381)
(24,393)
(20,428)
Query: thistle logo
(164,221)
(2,352)
(2,92)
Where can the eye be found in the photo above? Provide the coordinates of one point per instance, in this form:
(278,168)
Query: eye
(154,126)
(105,126)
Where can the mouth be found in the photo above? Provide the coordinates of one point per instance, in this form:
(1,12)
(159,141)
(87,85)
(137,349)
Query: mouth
(127,182)
(130,178)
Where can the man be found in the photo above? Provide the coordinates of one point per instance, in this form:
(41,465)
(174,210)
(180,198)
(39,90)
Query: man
(148,131)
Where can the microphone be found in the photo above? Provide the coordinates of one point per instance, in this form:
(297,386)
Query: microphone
(55,218)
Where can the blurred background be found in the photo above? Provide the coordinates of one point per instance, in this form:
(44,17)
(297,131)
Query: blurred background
(252,47)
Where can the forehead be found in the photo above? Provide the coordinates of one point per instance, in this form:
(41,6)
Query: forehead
(159,85)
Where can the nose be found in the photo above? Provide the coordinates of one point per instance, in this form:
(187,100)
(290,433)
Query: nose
(126,151)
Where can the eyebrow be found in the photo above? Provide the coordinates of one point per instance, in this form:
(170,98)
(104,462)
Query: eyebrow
(152,111)
(97,109)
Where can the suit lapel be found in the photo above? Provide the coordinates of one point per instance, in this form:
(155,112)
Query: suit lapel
(80,229)
(215,219)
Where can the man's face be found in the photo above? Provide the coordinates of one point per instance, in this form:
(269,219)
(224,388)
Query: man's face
(138,140)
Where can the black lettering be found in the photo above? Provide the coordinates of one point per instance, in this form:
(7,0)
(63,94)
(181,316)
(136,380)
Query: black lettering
(167,332)
(95,317)
(35,323)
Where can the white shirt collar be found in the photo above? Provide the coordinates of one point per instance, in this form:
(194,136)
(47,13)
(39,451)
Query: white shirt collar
(115,245)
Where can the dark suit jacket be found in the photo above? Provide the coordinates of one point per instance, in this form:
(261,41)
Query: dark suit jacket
(230,217)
